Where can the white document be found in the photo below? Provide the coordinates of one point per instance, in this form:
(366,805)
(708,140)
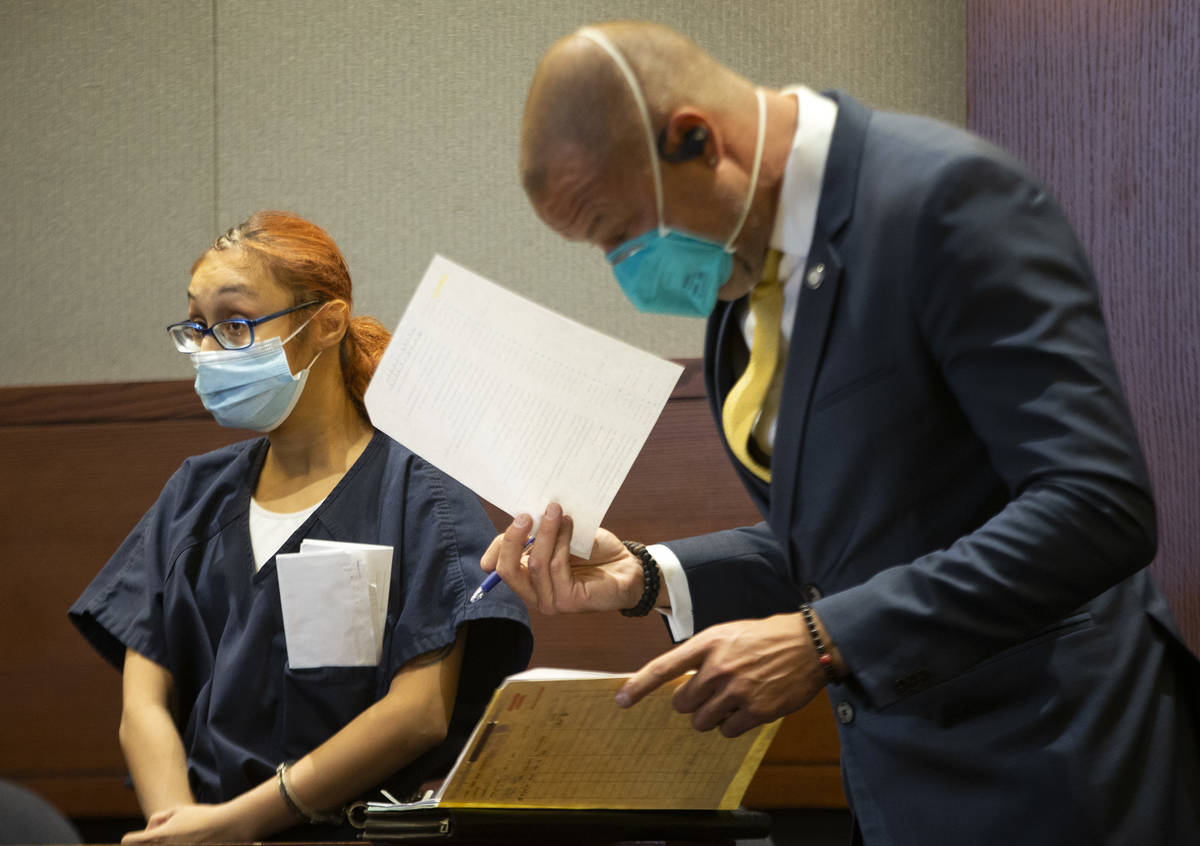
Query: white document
(376,561)
(327,622)
(521,405)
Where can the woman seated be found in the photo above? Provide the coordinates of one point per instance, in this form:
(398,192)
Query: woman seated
(189,606)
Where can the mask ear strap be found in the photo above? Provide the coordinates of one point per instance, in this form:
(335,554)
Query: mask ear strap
(601,40)
(314,360)
(758,153)
(300,328)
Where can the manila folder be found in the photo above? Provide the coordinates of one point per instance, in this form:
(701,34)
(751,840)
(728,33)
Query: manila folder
(556,739)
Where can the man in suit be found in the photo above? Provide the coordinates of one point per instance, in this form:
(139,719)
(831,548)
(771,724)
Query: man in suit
(907,359)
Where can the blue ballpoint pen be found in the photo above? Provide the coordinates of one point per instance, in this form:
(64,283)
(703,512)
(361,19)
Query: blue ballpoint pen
(493,579)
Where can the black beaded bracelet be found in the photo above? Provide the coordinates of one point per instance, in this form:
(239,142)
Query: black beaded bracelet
(823,657)
(650,580)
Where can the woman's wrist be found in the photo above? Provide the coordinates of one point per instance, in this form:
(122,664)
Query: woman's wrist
(298,807)
(259,812)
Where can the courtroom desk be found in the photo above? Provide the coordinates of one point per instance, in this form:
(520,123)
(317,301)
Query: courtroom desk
(525,840)
(789,827)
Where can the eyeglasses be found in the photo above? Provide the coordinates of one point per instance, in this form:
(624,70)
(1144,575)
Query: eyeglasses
(237,333)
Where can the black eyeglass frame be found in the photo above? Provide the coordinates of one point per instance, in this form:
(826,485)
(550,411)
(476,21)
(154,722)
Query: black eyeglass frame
(239,321)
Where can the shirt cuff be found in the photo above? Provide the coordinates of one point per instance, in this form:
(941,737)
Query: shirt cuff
(679,617)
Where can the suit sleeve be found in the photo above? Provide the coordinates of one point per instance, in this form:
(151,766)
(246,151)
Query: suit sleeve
(1007,306)
(735,574)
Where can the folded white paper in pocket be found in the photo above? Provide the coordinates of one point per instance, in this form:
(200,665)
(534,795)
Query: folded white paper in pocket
(376,561)
(327,619)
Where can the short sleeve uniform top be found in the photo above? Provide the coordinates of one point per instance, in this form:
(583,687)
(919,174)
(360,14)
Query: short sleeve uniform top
(182,591)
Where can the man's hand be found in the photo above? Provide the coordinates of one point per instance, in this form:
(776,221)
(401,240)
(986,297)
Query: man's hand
(748,672)
(547,577)
(192,824)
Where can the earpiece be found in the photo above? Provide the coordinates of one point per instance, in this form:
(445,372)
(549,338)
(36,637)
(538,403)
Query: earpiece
(690,147)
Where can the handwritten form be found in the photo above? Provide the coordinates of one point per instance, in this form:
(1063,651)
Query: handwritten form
(557,740)
(521,405)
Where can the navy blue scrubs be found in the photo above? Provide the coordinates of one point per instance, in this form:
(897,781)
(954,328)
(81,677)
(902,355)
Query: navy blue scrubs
(182,591)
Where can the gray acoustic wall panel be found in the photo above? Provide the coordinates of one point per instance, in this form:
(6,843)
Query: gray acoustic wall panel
(394,125)
(106,174)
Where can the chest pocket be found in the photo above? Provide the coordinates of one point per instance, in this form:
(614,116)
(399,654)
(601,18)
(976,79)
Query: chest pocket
(853,387)
(316,702)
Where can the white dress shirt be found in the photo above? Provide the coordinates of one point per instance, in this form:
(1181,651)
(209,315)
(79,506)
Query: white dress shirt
(795,219)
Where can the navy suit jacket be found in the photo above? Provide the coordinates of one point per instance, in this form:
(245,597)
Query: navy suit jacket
(957,476)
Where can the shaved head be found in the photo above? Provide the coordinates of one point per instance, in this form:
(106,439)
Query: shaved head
(590,170)
(580,105)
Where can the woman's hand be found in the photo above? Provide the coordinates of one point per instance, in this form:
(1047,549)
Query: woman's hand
(549,578)
(193,824)
(412,718)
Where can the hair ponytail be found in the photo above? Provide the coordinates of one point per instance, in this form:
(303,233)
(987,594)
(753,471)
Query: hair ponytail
(362,347)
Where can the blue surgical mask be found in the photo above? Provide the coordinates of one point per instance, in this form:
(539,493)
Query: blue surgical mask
(664,270)
(668,272)
(252,388)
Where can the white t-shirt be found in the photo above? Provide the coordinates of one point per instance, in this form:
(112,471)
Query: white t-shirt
(270,529)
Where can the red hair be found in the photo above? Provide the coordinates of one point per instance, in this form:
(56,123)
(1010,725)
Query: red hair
(302,257)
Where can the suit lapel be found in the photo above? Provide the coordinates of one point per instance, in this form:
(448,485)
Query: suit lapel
(822,281)
(717,346)
(722,335)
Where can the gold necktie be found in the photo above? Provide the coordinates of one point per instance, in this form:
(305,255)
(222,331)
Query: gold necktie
(745,400)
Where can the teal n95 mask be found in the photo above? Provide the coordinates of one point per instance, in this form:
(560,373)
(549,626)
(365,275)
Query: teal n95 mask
(252,388)
(664,270)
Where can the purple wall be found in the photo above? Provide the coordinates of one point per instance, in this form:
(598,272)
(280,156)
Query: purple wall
(1102,99)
